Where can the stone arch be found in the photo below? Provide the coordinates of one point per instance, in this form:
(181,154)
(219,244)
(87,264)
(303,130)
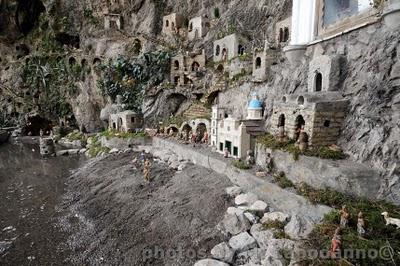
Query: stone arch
(281,120)
(300,100)
(173,128)
(185,128)
(318,81)
(176,65)
(258,62)
(299,123)
(195,66)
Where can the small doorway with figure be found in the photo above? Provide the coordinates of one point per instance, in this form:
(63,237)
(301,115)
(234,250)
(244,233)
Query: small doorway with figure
(200,130)
(228,145)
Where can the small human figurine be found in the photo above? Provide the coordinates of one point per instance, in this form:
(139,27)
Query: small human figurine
(303,140)
(361,224)
(41,133)
(142,156)
(205,138)
(335,244)
(146,170)
(226,153)
(250,158)
(269,163)
(344,217)
(193,137)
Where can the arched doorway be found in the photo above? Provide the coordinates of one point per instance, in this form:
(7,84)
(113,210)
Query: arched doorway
(217,50)
(195,66)
(318,81)
(258,62)
(224,54)
(299,124)
(286,34)
(119,126)
(172,131)
(220,68)
(281,120)
(240,49)
(176,65)
(200,130)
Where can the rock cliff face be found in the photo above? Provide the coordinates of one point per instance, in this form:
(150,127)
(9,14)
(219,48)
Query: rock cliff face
(369,74)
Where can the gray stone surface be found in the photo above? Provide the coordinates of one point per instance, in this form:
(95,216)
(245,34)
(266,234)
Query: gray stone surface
(261,236)
(242,242)
(233,191)
(210,262)
(273,254)
(245,199)
(259,206)
(223,252)
(250,257)
(298,227)
(275,216)
(251,217)
(233,224)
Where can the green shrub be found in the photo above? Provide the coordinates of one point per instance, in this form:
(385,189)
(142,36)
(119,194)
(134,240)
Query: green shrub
(240,164)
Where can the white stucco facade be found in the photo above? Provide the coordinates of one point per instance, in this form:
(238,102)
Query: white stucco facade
(303,22)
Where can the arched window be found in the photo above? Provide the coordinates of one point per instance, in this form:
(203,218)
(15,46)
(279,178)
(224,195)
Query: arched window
(283,99)
(318,81)
(258,62)
(281,120)
(176,65)
(72,61)
(240,49)
(190,26)
(300,100)
(217,50)
(220,68)
(195,66)
(167,23)
(280,35)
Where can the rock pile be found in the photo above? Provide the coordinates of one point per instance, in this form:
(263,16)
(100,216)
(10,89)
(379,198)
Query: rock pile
(251,240)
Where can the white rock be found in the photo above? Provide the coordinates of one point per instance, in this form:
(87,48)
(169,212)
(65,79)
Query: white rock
(73,151)
(259,206)
(242,242)
(299,227)
(245,199)
(233,191)
(252,218)
(235,211)
(210,262)
(275,216)
(223,252)
(263,237)
(113,150)
(82,151)
(62,153)
(275,251)
(233,224)
(250,257)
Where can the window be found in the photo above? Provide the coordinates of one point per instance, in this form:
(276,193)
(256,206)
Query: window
(337,10)
(258,62)
(235,151)
(318,82)
(176,65)
(286,34)
(217,50)
(300,100)
(280,35)
(327,123)
(221,146)
(190,27)
(167,23)
(132,119)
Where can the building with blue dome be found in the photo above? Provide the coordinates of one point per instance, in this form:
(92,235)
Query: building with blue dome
(255,108)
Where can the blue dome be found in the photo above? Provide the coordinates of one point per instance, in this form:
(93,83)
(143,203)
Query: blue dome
(255,104)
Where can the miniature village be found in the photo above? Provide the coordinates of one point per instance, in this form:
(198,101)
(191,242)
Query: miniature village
(300,114)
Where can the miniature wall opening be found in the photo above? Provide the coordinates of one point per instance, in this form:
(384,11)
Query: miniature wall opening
(27,14)
(176,80)
(96,61)
(217,50)
(176,65)
(240,49)
(300,100)
(224,53)
(201,129)
(172,131)
(195,66)
(327,123)
(212,99)
(191,27)
(258,62)
(67,39)
(284,100)
(186,128)
(220,68)
(72,61)
(286,34)
(137,46)
(318,81)
(280,35)
(281,120)
(167,23)
(299,124)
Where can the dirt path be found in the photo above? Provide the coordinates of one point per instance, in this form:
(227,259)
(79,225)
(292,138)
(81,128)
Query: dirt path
(114,218)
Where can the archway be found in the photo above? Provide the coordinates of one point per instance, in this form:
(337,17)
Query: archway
(176,65)
(186,128)
(281,120)
(258,62)
(240,49)
(318,81)
(200,130)
(299,124)
(300,100)
(195,66)
(224,53)
(172,130)
(119,127)
(176,80)
(213,98)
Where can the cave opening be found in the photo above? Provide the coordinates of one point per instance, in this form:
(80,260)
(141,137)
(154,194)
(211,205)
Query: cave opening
(27,14)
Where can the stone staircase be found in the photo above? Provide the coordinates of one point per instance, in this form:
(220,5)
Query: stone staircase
(196,111)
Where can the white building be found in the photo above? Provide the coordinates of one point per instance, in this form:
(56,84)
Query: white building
(236,135)
(126,121)
(198,28)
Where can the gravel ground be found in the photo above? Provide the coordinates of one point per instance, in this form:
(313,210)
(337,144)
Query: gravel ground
(114,218)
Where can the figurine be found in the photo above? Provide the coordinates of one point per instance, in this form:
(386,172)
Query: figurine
(361,224)
(41,133)
(335,244)
(344,217)
(281,134)
(226,153)
(303,140)
(146,170)
(269,163)
(250,158)
(390,220)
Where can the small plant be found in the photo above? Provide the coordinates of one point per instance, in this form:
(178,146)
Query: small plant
(124,135)
(76,135)
(282,180)
(275,224)
(241,164)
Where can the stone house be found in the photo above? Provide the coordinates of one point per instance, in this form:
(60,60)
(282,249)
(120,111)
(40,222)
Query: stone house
(198,28)
(236,135)
(228,48)
(262,61)
(112,22)
(172,23)
(126,121)
(186,68)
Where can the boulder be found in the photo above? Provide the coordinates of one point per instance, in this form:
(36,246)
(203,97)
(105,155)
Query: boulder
(259,206)
(299,227)
(242,242)
(223,252)
(245,199)
(275,216)
(233,224)
(210,262)
(252,218)
(261,236)
(233,191)
(234,210)
(250,257)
